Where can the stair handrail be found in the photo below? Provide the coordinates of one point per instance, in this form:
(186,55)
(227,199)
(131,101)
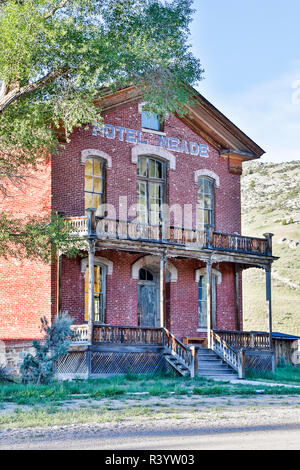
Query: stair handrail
(178,349)
(235,358)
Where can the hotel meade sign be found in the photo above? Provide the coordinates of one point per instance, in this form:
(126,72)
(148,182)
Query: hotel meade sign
(133,136)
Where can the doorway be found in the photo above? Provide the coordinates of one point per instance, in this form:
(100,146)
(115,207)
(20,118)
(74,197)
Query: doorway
(148,299)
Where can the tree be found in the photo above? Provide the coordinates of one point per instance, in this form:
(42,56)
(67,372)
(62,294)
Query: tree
(58,57)
(40,368)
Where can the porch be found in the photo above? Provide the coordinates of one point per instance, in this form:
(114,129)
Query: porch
(123,349)
(113,348)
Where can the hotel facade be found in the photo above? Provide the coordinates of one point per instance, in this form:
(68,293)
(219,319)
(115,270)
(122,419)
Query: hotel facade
(156,209)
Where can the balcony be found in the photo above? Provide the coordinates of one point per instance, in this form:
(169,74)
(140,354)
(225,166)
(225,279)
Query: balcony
(209,240)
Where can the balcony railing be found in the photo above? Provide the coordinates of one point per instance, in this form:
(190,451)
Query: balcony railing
(203,240)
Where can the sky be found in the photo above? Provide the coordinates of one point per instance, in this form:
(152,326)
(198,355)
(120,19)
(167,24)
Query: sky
(250,51)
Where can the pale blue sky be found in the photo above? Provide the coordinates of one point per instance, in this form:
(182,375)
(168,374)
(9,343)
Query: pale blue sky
(250,51)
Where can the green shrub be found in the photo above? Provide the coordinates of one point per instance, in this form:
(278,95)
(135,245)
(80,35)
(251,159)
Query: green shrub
(40,368)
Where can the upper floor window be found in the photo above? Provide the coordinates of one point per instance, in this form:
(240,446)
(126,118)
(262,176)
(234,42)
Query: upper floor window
(151,121)
(94,184)
(151,188)
(205,203)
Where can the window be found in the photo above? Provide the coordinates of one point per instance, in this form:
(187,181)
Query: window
(151,121)
(94,184)
(205,203)
(145,275)
(150,190)
(202,301)
(99,293)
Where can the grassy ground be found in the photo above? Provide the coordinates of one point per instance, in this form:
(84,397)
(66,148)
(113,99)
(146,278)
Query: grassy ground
(285,304)
(122,398)
(271,203)
(118,386)
(284,375)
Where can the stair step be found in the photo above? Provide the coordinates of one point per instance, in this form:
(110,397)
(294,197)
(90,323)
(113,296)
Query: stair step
(205,351)
(208,356)
(222,378)
(210,361)
(216,372)
(214,369)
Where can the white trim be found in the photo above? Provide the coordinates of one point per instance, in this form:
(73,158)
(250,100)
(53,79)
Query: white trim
(147,149)
(150,260)
(98,260)
(140,107)
(208,173)
(202,272)
(85,154)
(152,131)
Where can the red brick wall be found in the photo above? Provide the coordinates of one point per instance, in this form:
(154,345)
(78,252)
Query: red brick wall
(26,284)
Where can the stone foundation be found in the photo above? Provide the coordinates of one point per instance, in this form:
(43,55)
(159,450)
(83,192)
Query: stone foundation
(12,354)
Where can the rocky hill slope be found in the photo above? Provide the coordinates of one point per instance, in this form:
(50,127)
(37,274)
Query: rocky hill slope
(271,203)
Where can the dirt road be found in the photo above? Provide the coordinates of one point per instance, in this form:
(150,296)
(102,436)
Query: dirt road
(272,423)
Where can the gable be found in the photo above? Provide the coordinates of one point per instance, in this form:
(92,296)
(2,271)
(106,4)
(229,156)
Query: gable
(204,120)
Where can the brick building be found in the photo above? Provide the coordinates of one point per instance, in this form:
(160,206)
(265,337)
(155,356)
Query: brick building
(157,209)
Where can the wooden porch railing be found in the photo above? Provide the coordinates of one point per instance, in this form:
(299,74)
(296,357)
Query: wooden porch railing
(208,239)
(236,359)
(245,339)
(81,333)
(116,334)
(134,335)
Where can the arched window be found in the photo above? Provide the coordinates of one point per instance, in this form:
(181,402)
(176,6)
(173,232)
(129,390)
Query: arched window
(145,275)
(151,188)
(205,203)
(99,293)
(94,183)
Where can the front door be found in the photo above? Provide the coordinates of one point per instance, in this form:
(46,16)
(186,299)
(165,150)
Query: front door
(148,300)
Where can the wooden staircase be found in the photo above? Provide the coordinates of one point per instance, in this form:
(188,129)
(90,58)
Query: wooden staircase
(211,366)
(177,364)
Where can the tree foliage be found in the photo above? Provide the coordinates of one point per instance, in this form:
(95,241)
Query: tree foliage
(58,57)
(36,237)
(40,367)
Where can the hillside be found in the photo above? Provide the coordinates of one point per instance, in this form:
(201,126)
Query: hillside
(271,203)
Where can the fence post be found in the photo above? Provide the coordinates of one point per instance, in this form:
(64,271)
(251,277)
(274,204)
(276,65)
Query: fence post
(241,367)
(194,363)
(273,361)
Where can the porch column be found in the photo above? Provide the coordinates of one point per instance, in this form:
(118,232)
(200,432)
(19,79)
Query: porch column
(58,282)
(162,289)
(209,301)
(91,239)
(237,271)
(269,301)
(91,309)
